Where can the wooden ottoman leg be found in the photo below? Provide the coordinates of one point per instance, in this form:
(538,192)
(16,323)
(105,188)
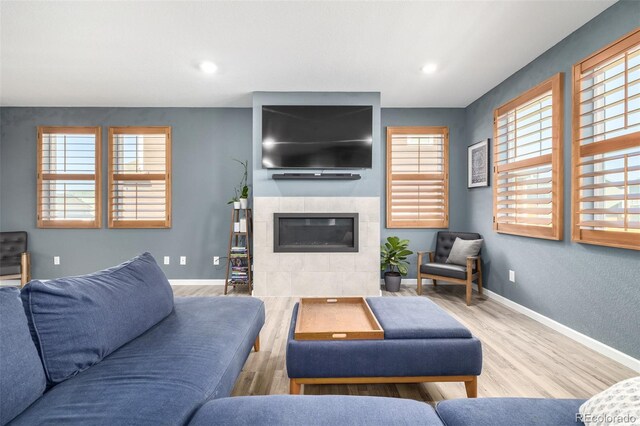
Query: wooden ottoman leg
(294,387)
(472,387)
(256,344)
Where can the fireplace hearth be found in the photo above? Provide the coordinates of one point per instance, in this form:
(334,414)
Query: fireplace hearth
(315,232)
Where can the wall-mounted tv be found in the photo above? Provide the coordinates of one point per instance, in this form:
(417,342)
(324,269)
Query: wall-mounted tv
(317,137)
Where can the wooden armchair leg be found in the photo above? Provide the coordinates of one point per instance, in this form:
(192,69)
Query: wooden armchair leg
(25,269)
(479,276)
(419,284)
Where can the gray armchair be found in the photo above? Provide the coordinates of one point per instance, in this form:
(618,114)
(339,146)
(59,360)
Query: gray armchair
(15,262)
(437,268)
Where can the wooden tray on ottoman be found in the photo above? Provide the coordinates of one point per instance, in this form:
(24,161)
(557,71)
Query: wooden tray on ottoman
(338,318)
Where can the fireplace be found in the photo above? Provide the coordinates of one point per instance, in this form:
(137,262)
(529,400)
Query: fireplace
(315,232)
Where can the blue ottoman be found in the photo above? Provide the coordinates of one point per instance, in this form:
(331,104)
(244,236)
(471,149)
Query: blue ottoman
(422,343)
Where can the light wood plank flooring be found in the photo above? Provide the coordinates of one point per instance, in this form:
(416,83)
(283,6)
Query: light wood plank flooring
(522,358)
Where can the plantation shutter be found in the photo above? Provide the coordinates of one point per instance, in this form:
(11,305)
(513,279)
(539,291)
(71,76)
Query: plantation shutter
(607,146)
(68,180)
(417,177)
(140,177)
(527,163)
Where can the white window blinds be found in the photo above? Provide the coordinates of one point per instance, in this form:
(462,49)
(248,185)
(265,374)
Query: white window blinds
(527,163)
(68,180)
(140,177)
(417,177)
(606,145)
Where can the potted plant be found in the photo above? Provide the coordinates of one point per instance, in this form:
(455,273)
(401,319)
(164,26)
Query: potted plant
(235,200)
(393,260)
(244,188)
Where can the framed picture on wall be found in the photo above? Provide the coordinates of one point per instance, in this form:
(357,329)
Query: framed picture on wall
(478,164)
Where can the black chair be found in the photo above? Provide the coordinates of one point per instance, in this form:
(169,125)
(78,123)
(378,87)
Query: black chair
(438,269)
(15,262)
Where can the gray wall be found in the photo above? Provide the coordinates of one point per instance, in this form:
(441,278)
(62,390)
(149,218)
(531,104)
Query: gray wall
(264,186)
(594,290)
(454,118)
(204,141)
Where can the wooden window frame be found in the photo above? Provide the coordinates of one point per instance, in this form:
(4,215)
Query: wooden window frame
(555,84)
(96,177)
(619,239)
(141,130)
(445,152)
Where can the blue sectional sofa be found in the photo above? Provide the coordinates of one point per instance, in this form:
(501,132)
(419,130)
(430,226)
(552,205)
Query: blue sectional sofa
(114,348)
(289,410)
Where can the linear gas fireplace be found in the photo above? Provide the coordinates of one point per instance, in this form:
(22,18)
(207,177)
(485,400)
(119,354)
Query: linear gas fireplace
(315,232)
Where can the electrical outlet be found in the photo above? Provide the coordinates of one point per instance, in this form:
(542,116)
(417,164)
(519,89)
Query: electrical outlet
(512,276)
(56,260)
(183,260)
(167,260)
(216,260)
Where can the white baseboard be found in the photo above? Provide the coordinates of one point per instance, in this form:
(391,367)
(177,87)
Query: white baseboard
(589,342)
(197,282)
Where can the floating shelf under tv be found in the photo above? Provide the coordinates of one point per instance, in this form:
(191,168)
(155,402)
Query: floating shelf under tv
(315,176)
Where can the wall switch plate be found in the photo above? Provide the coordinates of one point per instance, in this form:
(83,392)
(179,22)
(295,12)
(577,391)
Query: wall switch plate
(512,276)
(216,260)
(183,260)
(56,260)
(167,260)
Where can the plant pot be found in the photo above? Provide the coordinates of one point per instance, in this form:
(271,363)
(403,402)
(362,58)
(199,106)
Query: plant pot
(244,203)
(392,281)
(236,205)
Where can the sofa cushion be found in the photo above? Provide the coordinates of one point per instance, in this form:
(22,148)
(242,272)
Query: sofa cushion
(77,321)
(619,403)
(462,249)
(22,378)
(297,410)
(163,376)
(509,412)
(415,318)
(445,270)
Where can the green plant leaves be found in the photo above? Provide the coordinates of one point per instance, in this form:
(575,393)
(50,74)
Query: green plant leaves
(393,255)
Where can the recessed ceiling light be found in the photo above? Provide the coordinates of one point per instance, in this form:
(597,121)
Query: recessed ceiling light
(208,67)
(429,68)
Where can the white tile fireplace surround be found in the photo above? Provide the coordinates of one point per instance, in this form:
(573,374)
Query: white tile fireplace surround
(316,274)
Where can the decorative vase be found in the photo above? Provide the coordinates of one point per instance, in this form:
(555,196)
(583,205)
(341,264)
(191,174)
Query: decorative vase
(243,225)
(236,205)
(244,203)
(236,226)
(392,281)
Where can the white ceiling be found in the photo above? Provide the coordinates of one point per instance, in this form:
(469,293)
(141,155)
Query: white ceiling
(141,53)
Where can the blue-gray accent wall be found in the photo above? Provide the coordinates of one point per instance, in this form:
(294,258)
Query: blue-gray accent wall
(204,142)
(454,119)
(594,290)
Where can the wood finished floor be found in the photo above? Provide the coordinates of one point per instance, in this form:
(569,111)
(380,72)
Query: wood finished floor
(522,358)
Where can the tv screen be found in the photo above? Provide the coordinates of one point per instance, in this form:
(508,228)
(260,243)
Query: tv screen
(317,137)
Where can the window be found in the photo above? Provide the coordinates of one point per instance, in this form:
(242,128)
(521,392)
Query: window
(417,177)
(606,146)
(140,177)
(68,181)
(527,163)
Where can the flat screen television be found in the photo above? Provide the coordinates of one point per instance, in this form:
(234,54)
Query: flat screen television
(317,137)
